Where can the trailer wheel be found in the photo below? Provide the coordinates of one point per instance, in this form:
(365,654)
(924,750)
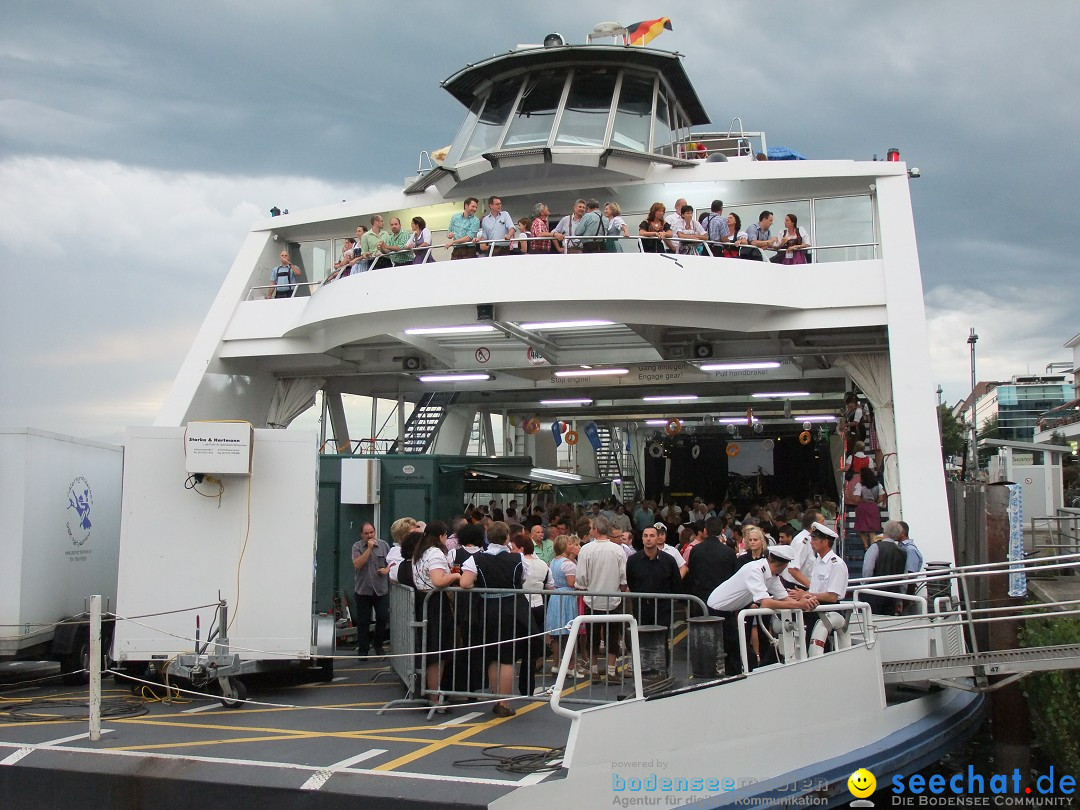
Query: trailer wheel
(75,666)
(326,669)
(233,692)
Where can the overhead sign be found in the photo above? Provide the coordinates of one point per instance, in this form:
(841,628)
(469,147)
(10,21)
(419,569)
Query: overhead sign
(482,355)
(534,357)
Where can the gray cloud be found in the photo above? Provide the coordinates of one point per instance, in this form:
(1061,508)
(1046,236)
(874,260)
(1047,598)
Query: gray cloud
(137,133)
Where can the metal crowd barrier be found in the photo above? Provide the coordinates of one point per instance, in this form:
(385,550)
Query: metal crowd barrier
(469,630)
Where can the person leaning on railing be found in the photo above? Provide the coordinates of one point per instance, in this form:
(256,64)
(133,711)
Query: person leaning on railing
(616,227)
(420,238)
(463,231)
(282,275)
(393,247)
(654,231)
(793,242)
(540,231)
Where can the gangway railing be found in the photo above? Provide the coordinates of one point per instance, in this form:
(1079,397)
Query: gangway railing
(1057,534)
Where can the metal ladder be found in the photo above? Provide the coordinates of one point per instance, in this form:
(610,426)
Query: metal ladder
(424,423)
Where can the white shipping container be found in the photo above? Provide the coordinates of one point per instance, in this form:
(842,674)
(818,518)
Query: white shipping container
(59,530)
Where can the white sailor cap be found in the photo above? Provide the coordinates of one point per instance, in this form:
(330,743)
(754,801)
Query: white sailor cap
(660,527)
(782,553)
(821,528)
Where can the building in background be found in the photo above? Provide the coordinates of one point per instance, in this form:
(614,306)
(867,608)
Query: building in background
(1064,419)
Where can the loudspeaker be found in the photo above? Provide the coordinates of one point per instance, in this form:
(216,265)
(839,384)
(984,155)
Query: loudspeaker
(412,363)
(677,352)
(702,350)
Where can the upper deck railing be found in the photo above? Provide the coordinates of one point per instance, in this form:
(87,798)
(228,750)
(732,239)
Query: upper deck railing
(694,248)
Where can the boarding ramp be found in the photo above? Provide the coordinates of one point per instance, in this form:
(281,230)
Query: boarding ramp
(939,645)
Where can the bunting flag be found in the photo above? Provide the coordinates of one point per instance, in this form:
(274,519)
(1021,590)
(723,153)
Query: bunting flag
(642,33)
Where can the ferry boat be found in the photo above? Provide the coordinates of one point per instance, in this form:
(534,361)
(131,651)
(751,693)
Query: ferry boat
(672,368)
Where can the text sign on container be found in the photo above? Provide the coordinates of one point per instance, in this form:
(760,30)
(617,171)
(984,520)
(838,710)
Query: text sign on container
(219,448)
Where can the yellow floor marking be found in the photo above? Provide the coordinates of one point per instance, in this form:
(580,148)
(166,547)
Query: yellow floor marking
(309,735)
(466,733)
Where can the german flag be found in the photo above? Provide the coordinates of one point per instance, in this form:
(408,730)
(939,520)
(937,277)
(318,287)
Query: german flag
(642,33)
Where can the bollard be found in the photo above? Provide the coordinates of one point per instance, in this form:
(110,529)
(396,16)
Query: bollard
(95,668)
(654,650)
(706,646)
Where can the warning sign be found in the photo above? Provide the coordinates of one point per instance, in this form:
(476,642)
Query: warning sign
(483,354)
(535,358)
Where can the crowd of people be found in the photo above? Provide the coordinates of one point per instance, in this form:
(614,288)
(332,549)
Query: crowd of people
(589,228)
(565,560)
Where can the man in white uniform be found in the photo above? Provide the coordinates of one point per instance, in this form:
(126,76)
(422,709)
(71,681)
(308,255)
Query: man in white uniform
(828,582)
(757,584)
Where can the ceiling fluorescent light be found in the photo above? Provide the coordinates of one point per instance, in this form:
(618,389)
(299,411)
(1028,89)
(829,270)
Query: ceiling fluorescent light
(656,422)
(670,398)
(437,378)
(566,402)
(532,327)
(813,418)
(780,394)
(592,372)
(449,330)
(739,366)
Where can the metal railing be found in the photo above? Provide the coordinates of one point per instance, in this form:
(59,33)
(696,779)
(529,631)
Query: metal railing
(790,641)
(469,630)
(1059,534)
(487,249)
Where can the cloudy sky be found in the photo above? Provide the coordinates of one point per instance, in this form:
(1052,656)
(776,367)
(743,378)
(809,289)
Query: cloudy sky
(138,144)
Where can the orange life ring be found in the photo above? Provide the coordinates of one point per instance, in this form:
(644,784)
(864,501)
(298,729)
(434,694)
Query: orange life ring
(674,427)
(732,450)
(571,437)
(532,426)
(805,437)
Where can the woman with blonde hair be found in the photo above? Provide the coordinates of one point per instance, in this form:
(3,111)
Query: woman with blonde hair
(562,608)
(616,226)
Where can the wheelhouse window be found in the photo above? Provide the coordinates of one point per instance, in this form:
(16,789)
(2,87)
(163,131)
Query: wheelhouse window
(661,125)
(584,120)
(633,114)
(492,119)
(531,124)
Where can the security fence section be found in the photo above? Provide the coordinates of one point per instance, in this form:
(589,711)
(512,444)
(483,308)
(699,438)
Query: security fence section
(489,643)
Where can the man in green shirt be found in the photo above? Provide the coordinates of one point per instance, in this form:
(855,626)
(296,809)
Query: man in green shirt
(392,246)
(369,244)
(463,230)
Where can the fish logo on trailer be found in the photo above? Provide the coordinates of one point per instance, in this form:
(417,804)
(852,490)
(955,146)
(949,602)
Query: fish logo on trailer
(81,499)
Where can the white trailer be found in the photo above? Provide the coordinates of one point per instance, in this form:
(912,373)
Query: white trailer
(201,549)
(59,542)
